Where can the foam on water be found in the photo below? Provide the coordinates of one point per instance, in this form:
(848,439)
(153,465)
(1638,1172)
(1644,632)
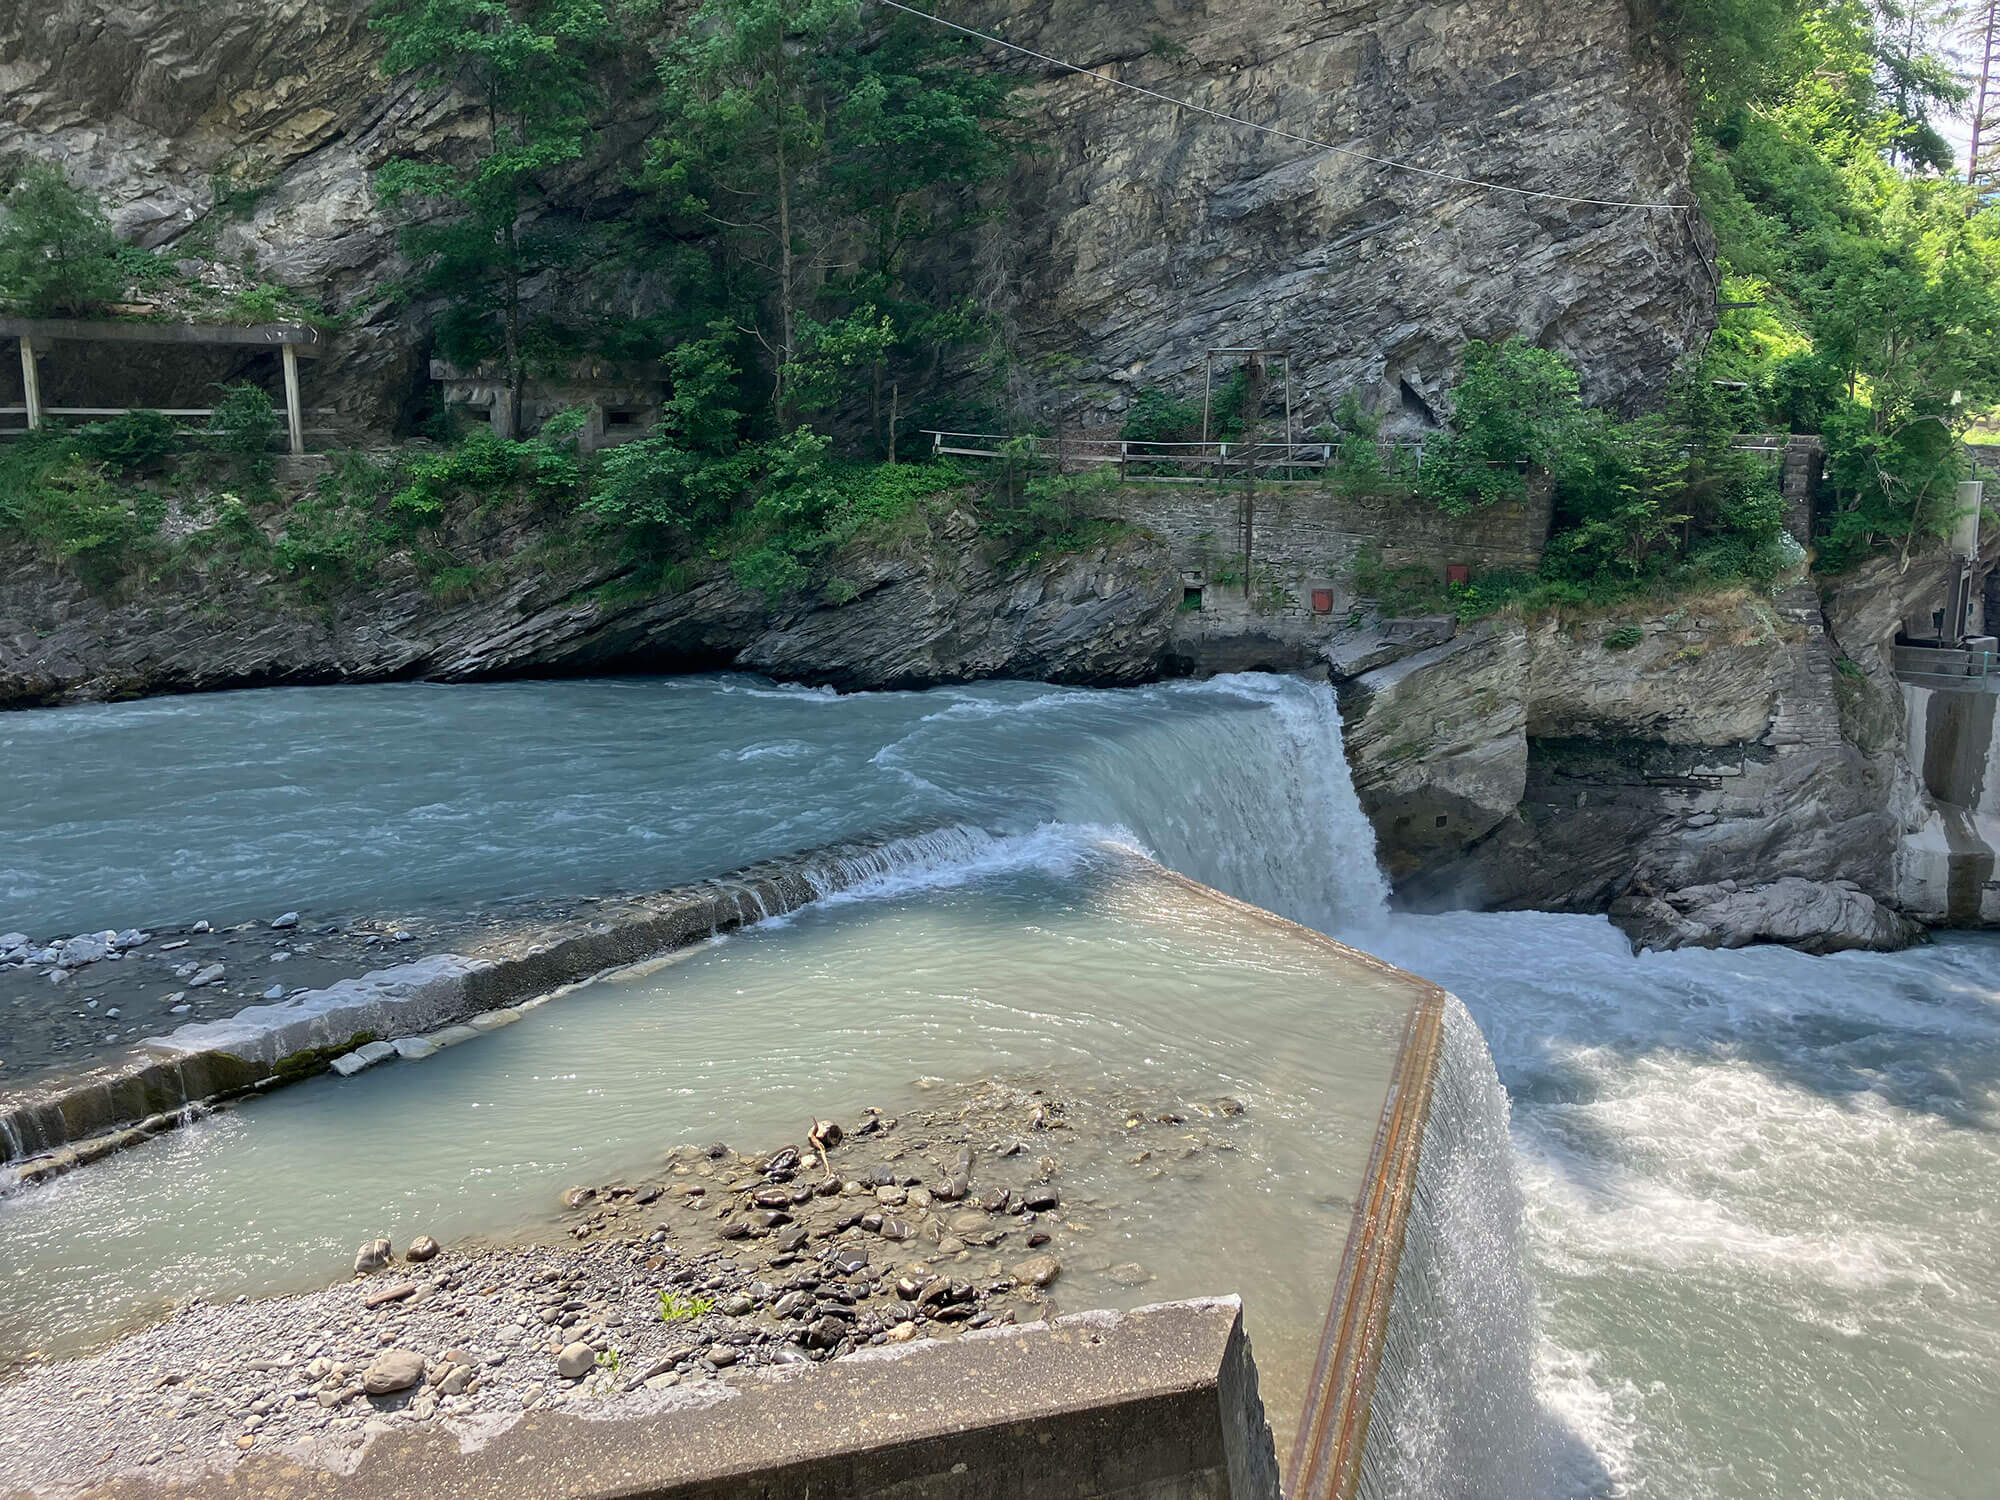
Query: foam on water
(1760,1201)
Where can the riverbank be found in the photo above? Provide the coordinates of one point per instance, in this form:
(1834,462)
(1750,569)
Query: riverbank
(65,1000)
(950,1217)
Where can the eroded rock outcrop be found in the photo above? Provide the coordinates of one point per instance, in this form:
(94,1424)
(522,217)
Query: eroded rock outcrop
(1439,747)
(936,607)
(1709,749)
(1813,916)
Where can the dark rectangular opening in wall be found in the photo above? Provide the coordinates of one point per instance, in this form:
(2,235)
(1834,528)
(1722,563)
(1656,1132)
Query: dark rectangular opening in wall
(617,417)
(1190,598)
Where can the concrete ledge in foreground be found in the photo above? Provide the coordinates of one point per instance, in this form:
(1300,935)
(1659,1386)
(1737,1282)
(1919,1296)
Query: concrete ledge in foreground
(1156,1404)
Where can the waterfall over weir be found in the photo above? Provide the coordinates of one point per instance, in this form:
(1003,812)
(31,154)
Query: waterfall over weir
(1453,1411)
(1046,963)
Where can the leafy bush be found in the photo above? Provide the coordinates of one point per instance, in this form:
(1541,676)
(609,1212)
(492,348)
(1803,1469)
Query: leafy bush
(1157,416)
(1623,638)
(244,422)
(259,304)
(58,256)
(73,512)
(131,441)
(486,467)
(1515,405)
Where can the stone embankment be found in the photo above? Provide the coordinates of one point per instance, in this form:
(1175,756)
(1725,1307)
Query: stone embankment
(952,1218)
(112,989)
(413,1008)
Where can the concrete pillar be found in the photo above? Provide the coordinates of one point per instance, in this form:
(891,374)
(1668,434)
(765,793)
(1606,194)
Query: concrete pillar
(31,384)
(294,418)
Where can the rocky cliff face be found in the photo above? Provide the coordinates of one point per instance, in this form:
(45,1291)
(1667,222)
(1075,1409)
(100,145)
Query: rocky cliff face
(1709,750)
(1744,742)
(934,608)
(1152,236)
(1139,239)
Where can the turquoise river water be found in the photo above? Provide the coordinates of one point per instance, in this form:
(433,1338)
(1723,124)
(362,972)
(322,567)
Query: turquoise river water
(1759,1191)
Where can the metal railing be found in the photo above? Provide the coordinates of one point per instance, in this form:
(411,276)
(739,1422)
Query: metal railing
(1172,463)
(1947,668)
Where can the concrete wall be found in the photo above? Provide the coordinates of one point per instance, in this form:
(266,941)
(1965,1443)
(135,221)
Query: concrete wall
(1156,1404)
(1946,869)
(1303,539)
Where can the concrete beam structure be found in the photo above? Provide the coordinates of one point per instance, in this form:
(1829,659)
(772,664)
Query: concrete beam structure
(293,341)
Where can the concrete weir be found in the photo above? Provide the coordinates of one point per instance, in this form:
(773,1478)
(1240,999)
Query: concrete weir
(52,1128)
(1161,1401)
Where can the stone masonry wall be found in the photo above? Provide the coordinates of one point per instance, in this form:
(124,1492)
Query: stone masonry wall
(1305,539)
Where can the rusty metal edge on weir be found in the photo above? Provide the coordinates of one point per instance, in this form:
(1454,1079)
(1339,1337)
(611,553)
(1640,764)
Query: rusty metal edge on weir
(1333,1429)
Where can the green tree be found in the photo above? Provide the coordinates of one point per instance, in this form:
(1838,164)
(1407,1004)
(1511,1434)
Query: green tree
(816,154)
(58,255)
(475,224)
(1824,175)
(1515,405)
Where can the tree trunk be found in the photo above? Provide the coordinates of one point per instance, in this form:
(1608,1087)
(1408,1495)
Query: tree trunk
(516,375)
(785,310)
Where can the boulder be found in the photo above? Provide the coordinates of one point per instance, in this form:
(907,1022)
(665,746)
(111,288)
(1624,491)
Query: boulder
(1038,1270)
(85,948)
(1811,915)
(392,1370)
(1438,746)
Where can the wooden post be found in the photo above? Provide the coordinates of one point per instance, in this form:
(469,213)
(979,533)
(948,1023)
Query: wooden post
(31,384)
(294,419)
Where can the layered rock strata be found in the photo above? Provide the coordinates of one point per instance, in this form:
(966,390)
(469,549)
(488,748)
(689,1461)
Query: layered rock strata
(937,608)
(1140,237)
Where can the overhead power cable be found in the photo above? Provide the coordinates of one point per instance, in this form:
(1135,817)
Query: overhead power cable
(1286,135)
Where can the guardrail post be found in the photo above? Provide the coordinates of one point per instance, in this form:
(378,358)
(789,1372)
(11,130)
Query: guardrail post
(294,418)
(31,383)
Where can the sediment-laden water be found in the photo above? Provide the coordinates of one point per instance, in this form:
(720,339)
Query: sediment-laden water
(1757,1190)
(1045,960)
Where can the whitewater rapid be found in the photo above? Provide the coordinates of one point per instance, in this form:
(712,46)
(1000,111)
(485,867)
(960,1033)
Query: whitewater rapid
(1728,1229)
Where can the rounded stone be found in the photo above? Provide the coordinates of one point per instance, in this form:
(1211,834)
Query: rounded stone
(576,1361)
(422,1248)
(392,1370)
(1038,1270)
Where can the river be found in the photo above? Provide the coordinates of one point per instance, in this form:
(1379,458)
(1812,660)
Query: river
(1758,1188)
